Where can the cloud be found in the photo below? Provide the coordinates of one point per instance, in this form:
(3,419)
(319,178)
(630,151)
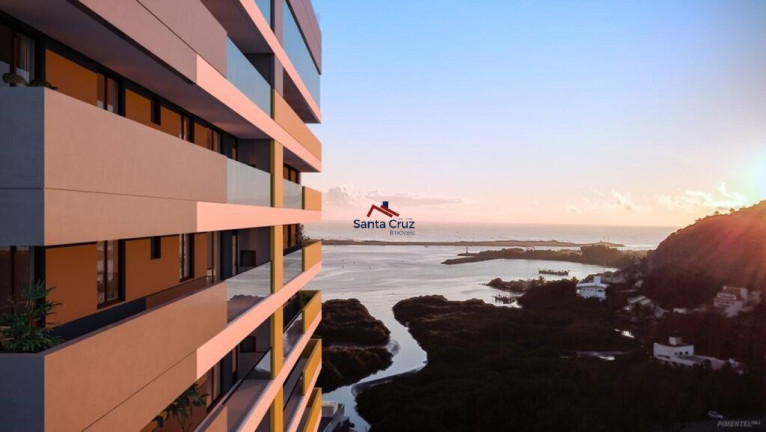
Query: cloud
(342,196)
(625,202)
(410,200)
(721,199)
(346,196)
(571,208)
(601,202)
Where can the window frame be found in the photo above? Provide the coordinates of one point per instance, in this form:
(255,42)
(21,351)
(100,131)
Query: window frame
(155,248)
(186,248)
(120,252)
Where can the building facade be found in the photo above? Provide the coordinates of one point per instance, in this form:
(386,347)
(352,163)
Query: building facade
(593,289)
(150,176)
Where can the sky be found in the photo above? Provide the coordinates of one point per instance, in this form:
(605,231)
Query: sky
(606,113)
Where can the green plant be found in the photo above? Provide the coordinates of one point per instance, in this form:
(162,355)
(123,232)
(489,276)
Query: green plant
(181,409)
(24,328)
(15,79)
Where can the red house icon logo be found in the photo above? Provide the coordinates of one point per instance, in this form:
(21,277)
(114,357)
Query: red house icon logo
(383,209)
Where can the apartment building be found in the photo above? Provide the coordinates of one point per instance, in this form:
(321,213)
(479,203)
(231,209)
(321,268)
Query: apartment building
(151,161)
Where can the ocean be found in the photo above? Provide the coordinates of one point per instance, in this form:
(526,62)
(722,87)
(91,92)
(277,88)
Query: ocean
(633,237)
(380,276)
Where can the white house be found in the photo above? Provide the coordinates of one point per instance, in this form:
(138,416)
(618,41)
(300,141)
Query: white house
(594,289)
(732,300)
(677,353)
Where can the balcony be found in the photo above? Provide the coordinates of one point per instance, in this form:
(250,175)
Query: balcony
(247,289)
(247,185)
(293,195)
(135,365)
(265,7)
(298,51)
(295,126)
(296,196)
(179,186)
(246,78)
(248,402)
(298,392)
(313,414)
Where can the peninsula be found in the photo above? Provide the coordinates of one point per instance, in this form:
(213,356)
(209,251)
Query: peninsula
(490,243)
(355,344)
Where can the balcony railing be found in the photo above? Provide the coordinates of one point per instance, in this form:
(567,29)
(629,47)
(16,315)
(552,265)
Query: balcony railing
(247,185)
(313,414)
(247,289)
(312,199)
(265,7)
(313,356)
(235,407)
(293,195)
(246,78)
(299,53)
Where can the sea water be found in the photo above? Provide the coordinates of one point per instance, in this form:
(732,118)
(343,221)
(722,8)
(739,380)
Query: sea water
(380,276)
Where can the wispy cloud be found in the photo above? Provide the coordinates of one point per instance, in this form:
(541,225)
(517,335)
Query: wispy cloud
(599,201)
(720,199)
(411,200)
(624,201)
(347,196)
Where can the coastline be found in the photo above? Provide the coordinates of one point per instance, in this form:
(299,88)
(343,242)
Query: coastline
(490,243)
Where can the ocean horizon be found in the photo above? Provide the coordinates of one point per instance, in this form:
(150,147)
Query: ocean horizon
(633,237)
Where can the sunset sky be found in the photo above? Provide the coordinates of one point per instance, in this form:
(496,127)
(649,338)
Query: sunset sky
(620,113)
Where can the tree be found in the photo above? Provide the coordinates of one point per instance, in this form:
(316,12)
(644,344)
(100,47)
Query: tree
(181,409)
(24,330)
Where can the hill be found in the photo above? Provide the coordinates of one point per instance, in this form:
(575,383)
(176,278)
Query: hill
(692,264)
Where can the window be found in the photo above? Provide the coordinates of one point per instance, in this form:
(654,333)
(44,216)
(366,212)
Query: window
(17,54)
(156,115)
(156,247)
(17,270)
(187,128)
(108,275)
(290,173)
(108,93)
(187,256)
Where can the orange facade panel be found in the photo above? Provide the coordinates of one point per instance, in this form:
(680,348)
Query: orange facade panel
(70,78)
(138,108)
(292,123)
(312,199)
(312,254)
(314,411)
(86,379)
(71,272)
(145,275)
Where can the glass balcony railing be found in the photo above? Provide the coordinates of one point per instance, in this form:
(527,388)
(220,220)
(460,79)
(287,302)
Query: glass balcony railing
(247,392)
(247,185)
(292,265)
(293,195)
(265,7)
(246,78)
(296,48)
(247,289)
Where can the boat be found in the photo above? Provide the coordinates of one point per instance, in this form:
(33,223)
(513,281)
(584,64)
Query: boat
(553,272)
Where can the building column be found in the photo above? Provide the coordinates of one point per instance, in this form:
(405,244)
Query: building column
(277,280)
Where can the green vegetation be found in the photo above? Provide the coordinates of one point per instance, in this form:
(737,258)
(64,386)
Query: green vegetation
(24,329)
(181,409)
(595,254)
(689,267)
(353,344)
(493,368)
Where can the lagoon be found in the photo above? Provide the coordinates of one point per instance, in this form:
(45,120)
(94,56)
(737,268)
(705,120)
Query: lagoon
(380,276)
